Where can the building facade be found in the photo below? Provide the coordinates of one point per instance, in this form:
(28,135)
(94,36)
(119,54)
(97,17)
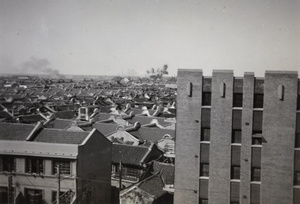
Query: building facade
(237,138)
(29,168)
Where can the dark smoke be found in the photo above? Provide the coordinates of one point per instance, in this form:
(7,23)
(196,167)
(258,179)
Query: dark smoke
(40,66)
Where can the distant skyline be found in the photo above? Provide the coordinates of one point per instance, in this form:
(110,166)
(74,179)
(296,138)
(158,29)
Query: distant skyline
(117,37)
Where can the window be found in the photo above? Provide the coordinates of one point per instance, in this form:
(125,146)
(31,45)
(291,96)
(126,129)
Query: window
(255,163)
(203,188)
(206,98)
(296,195)
(8,164)
(130,172)
(64,167)
(33,196)
(255,174)
(205,134)
(236,126)
(297,136)
(256,139)
(257,127)
(34,166)
(254,194)
(235,162)
(203,201)
(204,159)
(205,124)
(297,178)
(298,101)
(65,197)
(236,136)
(127,172)
(204,169)
(237,100)
(234,192)
(235,172)
(297,168)
(258,100)
(83,110)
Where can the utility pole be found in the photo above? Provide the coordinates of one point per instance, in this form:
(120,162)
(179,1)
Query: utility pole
(9,192)
(120,178)
(58,186)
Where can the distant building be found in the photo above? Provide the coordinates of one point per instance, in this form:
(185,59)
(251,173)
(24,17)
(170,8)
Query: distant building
(237,139)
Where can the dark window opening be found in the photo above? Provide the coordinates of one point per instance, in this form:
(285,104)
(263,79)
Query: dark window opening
(206,99)
(236,136)
(235,172)
(258,101)
(204,169)
(34,166)
(297,178)
(255,174)
(257,139)
(8,164)
(64,167)
(297,140)
(205,134)
(33,196)
(237,100)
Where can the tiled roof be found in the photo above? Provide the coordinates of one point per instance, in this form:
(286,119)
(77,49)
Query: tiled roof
(146,120)
(60,136)
(67,114)
(15,131)
(166,171)
(61,123)
(128,154)
(154,134)
(153,186)
(105,128)
(31,118)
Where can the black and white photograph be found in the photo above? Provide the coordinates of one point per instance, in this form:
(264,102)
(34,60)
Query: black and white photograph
(149,102)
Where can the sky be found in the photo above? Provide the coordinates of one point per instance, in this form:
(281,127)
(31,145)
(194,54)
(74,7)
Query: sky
(129,37)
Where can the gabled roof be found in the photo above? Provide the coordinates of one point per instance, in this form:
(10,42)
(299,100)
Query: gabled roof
(130,155)
(166,171)
(153,186)
(67,114)
(15,131)
(105,128)
(154,134)
(60,136)
(163,174)
(147,120)
(60,123)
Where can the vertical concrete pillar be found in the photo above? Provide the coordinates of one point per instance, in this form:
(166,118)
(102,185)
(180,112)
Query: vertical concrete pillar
(247,118)
(220,140)
(188,137)
(279,121)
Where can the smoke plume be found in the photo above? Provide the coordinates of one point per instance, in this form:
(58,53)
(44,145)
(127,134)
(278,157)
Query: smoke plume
(40,66)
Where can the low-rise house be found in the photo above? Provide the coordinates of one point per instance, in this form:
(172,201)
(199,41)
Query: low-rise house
(30,155)
(134,162)
(156,189)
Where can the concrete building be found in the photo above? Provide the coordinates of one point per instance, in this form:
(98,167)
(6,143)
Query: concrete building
(237,138)
(29,156)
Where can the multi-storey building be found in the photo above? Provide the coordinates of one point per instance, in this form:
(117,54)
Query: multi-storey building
(237,138)
(30,157)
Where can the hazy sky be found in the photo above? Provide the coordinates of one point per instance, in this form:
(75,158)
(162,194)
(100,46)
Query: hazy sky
(111,37)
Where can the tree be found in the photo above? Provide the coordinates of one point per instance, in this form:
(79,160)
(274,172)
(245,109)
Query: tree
(158,73)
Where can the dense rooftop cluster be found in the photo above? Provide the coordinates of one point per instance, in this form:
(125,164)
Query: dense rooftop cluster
(136,115)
